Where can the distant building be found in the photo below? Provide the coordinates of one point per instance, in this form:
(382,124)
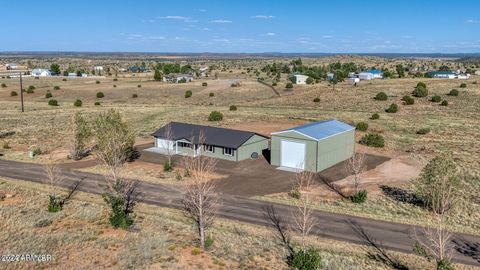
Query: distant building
(367,76)
(377,74)
(177,78)
(463,76)
(98,70)
(330,76)
(477,72)
(203,71)
(300,79)
(137,69)
(11,66)
(442,74)
(72,74)
(41,72)
(354,80)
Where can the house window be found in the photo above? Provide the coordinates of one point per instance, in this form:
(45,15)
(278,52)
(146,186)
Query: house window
(184,145)
(208,148)
(228,151)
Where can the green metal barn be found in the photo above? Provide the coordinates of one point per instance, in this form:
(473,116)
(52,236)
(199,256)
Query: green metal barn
(313,147)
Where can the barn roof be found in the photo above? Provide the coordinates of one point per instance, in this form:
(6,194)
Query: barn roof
(222,137)
(320,130)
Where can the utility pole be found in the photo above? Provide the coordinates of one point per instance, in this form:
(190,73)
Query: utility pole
(21,91)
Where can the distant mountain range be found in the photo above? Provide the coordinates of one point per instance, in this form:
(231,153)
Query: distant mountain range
(235,55)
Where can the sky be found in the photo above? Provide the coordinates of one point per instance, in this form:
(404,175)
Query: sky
(247,26)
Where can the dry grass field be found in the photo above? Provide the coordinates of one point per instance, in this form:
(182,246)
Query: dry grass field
(79,237)
(455,127)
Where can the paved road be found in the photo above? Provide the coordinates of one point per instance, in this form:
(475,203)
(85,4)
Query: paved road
(341,227)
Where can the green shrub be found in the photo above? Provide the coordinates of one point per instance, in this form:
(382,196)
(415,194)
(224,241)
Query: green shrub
(423,131)
(135,96)
(196,251)
(359,197)
(373,140)
(445,264)
(289,85)
(97,82)
(408,100)
(6,145)
(215,116)
(56,87)
(474,82)
(13,94)
(4,85)
(30,91)
(420,91)
(381,96)
(436,98)
(188,94)
(362,126)
(114,86)
(463,85)
(309,260)
(209,242)
(316,100)
(97,103)
(444,103)
(115,79)
(274,83)
(204,83)
(53,102)
(233,108)
(64,79)
(55,203)
(375,116)
(100,95)
(119,215)
(48,95)
(211,94)
(392,109)
(421,84)
(453,92)
(167,166)
(31,87)
(295,193)
(310,80)
(77,103)
(139,86)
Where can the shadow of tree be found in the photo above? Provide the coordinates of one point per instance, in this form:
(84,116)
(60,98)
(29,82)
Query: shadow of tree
(468,248)
(402,195)
(378,254)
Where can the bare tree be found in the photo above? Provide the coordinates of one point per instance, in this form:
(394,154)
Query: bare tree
(356,165)
(167,145)
(200,201)
(53,176)
(302,214)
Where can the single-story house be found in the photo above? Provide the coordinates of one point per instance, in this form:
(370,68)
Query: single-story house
(313,147)
(41,72)
(222,143)
(442,74)
(11,66)
(177,78)
(477,72)
(354,80)
(300,79)
(463,76)
(330,76)
(365,76)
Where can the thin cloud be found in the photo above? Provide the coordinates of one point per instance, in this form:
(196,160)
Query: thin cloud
(327,36)
(220,21)
(205,29)
(170,17)
(472,21)
(270,34)
(202,10)
(265,17)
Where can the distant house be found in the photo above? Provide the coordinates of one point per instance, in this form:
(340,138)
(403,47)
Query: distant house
(136,69)
(477,72)
(203,71)
(330,76)
(377,74)
(463,76)
(367,76)
(354,80)
(41,72)
(11,66)
(177,78)
(442,74)
(72,74)
(299,78)
(98,69)
(221,143)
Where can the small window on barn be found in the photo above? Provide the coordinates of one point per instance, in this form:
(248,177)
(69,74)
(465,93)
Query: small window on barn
(228,151)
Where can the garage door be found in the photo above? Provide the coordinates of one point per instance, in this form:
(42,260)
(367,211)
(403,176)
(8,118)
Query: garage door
(293,154)
(161,143)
